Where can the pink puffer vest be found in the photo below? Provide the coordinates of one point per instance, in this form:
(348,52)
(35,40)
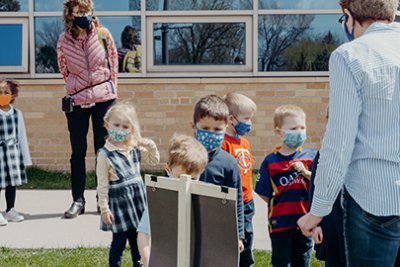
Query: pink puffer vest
(87,65)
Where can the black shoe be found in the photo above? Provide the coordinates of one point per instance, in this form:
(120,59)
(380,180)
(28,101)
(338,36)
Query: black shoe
(77,208)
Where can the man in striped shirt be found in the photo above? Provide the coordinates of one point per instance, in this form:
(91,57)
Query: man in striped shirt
(361,147)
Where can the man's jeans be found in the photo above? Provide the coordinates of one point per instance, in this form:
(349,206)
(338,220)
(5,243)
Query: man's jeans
(370,241)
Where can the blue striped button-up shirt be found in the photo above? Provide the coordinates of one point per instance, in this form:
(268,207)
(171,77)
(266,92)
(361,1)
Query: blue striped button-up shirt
(361,147)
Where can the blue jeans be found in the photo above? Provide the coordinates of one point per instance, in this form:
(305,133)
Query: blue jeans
(370,241)
(291,248)
(246,257)
(118,245)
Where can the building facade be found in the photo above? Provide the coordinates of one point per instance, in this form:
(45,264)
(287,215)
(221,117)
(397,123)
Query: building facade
(274,51)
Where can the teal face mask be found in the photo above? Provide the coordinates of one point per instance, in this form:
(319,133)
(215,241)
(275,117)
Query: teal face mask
(294,139)
(118,135)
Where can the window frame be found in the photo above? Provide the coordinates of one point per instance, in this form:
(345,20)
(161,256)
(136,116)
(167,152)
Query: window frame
(147,18)
(151,67)
(24,21)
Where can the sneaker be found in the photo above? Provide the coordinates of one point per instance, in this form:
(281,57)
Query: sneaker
(3,221)
(14,216)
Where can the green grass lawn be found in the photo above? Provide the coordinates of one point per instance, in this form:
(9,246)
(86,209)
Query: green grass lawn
(86,257)
(43,179)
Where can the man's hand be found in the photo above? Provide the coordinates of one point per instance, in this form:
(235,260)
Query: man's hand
(241,246)
(308,223)
(318,236)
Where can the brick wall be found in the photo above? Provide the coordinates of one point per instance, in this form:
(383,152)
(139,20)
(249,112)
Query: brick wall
(165,106)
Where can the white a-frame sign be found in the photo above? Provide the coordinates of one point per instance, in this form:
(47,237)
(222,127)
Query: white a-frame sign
(193,224)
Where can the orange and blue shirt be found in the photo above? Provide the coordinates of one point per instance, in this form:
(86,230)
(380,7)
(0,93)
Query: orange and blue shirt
(286,189)
(240,149)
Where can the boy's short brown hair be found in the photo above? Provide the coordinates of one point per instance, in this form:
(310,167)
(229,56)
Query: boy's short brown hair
(284,111)
(187,152)
(211,106)
(239,104)
(12,85)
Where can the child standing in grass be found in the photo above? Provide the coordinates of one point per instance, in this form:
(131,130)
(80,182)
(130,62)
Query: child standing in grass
(14,149)
(241,111)
(122,196)
(283,183)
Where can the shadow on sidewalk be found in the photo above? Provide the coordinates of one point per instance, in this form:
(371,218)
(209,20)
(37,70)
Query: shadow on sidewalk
(31,217)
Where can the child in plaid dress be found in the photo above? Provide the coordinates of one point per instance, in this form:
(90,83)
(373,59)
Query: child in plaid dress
(122,195)
(14,149)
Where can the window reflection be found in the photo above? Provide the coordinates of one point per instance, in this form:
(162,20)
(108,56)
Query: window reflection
(297,42)
(13,5)
(99,5)
(298,4)
(126,32)
(199,43)
(199,4)
(47,31)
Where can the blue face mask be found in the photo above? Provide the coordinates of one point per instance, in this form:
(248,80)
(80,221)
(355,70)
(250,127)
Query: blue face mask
(83,22)
(242,128)
(349,35)
(210,140)
(294,139)
(118,135)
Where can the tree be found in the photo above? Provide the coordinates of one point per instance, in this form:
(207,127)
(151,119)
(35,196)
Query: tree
(276,34)
(10,5)
(311,53)
(46,48)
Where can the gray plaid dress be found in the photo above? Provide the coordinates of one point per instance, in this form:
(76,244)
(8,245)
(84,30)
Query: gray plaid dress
(12,168)
(127,195)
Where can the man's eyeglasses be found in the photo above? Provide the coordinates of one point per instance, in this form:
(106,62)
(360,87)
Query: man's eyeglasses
(342,19)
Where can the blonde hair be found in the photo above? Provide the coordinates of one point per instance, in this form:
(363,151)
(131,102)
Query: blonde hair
(239,104)
(85,6)
(284,111)
(126,110)
(187,152)
(363,10)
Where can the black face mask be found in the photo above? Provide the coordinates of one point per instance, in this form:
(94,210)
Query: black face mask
(83,22)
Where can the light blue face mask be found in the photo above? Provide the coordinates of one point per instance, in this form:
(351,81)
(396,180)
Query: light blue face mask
(210,140)
(294,139)
(118,135)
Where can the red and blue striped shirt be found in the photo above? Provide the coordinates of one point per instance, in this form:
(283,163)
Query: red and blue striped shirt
(286,189)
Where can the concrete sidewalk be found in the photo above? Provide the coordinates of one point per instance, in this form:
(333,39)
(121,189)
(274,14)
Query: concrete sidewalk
(44,228)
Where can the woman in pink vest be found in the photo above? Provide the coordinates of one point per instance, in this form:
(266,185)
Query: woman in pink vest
(88,60)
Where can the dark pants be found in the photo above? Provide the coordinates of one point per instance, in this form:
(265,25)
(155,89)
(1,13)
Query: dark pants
(246,257)
(78,126)
(118,245)
(10,196)
(370,241)
(291,248)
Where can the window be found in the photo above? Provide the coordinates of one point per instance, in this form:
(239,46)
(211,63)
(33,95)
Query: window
(184,38)
(301,42)
(47,31)
(14,6)
(200,44)
(99,5)
(199,5)
(14,51)
(298,4)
